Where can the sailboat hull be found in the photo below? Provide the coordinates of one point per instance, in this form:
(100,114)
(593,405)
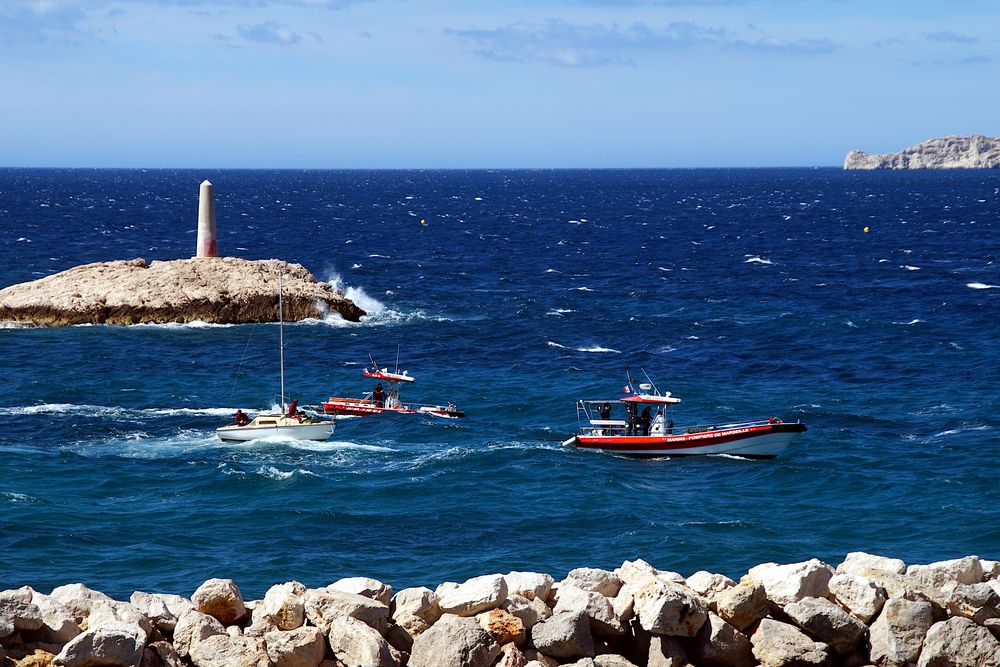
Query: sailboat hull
(276,427)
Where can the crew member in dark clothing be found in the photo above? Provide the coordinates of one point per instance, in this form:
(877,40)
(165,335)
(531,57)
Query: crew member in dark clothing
(606,415)
(241,418)
(631,419)
(379,396)
(293,409)
(644,420)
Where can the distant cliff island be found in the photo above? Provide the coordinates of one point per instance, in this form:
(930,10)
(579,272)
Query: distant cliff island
(952,152)
(221,290)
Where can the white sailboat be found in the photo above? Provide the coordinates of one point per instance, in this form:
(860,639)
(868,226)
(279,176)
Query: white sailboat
(278,425)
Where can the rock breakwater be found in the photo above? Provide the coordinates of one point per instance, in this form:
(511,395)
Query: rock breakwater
(952,152)
(868,610)
(220,290)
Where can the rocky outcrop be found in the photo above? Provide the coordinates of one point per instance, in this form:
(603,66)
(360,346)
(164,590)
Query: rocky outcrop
(952,152)
(220,290)
(873,611)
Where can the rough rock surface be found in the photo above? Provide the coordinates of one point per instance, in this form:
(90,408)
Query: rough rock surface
(220,598)
(565,635)
(454,641)
(668,608)
(223,290)
(898,633)
(476,595)
(777,644)
(951,152)
(958,642)
(827,622)
(356,645)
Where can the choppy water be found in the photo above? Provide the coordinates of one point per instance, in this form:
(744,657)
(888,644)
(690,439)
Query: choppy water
(745,292)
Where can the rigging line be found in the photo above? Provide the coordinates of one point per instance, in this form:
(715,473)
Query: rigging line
(240,366)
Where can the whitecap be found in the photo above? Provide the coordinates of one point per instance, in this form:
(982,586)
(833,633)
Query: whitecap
(598,349)
(553,344)
(17,497)
(758,260)
(337,445)
(583,289)
(982,286)
(909,267)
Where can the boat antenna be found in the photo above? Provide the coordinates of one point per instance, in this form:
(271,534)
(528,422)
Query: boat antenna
(281,343)
(628,376)
(656,392)
(374,363)
(397,358)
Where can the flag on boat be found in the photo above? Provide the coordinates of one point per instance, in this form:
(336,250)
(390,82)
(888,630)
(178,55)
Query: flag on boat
(627,389)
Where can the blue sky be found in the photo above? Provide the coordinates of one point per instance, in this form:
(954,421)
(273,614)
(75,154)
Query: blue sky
(489,83)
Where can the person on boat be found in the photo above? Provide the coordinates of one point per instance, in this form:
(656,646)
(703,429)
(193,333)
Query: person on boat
(670,427)
(241,419)
(293,409)
(379,396)
(644,420)
(631,428)
(606,415)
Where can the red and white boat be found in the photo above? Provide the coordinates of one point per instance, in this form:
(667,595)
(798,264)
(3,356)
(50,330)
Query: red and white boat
(373,404)
(648,430)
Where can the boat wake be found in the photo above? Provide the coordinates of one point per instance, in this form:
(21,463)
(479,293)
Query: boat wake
(113,412)
(982,286)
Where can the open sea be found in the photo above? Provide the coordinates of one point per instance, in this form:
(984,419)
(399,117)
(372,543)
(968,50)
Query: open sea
(746,292)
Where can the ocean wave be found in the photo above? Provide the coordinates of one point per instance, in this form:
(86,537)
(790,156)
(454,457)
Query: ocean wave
(583,289)
(337,445)
(598,349)
(193,324)
(13,497)
(113,411)
(554,344)
(982,286)
(758,260)
(910,267)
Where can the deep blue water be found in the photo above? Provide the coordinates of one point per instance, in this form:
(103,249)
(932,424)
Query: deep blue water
(747,293)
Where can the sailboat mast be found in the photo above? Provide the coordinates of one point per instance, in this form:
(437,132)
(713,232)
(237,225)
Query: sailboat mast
(281,344)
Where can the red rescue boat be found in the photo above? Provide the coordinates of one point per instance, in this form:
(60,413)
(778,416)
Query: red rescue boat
(381,400)
(652,433)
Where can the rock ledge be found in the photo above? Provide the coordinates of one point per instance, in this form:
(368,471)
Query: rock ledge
(951,152)
(218,290)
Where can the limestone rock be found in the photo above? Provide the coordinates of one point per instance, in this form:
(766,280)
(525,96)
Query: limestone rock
(718,644)
(785,584)
(592,579)
(529,611)
(825,621)
(945,575)
(283,605)
(742,605)
(225,290)
(78,598)
(370,588)
(958,642)
(58,623)
(112,643)
(532,585)
(565,635)
(603,621)
(104,611)
(777,644)
(858,595)
(416,609)
(668,608)
(155,609)
(865,565)
(226,651)
(612,660)
(898,633)
(454,641)
(951,152)
(193,627)
(476,595)
(355,644)
(160,654)
(511,656)
(709,586)
(299,647)
(633,570)
(666,652)
(978,602)
(503,627)
(20,615)
(176,605)
(220,598)
(322,606)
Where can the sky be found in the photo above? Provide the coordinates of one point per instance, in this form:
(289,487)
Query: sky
(489,83)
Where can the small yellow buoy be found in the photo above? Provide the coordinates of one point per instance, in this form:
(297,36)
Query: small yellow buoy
(424,222)
(866,230)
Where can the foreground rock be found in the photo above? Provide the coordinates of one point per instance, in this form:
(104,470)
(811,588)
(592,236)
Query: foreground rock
(869,610)
(221,290)
(952,152)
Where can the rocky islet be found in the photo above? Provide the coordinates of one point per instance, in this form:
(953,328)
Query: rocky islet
(218,290)
(951,152)
(868,610)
